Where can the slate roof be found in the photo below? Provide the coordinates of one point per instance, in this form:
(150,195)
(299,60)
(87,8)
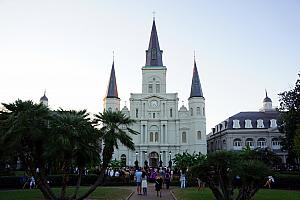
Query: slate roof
(154,54)
(253,116)
(196,90)
(112,90)
(44,98)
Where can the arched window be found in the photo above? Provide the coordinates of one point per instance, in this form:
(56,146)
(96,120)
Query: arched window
(198,111)
(156,137)
(153,115)
(150,88)
(123,160)
(276,143)
(153,54)
(261,143)
(157,88)
(136,113)
(171,112)
(183,137)
(203,111)
(199,135)
(151,137)
(237,144)
(250,143)
(192,112)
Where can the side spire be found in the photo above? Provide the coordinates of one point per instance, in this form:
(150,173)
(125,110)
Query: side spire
(154,54)
(196,90)
(112,90)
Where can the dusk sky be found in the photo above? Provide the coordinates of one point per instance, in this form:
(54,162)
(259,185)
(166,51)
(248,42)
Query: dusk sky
(65,47)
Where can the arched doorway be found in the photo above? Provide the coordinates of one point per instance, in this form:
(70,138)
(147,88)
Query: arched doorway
(153,159)
(123,160)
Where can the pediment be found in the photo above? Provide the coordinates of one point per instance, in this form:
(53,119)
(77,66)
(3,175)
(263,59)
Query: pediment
(154,97)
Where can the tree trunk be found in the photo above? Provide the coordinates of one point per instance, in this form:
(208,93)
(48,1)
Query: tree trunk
(77,185)
(96,184)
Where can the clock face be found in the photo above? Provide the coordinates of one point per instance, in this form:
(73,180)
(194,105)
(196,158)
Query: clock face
(154,103)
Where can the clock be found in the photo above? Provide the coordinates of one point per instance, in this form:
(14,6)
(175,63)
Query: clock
(154,103)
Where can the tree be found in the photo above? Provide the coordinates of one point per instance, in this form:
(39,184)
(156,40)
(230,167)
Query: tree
(186,160)
(60,140)
(226,171)
(113,131)
(289,121)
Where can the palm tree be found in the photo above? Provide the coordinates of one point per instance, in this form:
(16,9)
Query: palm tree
(24,132)
(73,143)
(114,128)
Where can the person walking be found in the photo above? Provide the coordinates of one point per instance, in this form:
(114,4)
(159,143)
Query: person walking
(144,184)
(158,185)
(32,183)
(138,180)
(269,181)
(167,179)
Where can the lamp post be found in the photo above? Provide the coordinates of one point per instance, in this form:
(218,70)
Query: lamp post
(160,162)
(136,160)
(170,161)
(146,162)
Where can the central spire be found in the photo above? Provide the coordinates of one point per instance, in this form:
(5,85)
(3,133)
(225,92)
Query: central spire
(112,90)
(154,54)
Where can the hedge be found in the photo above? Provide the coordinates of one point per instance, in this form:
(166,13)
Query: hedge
(282,181)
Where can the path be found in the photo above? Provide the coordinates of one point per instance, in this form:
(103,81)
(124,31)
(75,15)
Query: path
(165,194)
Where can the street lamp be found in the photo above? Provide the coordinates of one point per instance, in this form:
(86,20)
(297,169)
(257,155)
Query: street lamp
(160,162)
(146,162)
(170,161)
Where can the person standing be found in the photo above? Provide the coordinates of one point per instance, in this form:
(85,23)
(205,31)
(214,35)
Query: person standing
(182,179)
(138,180)
(144,184)
(158,185)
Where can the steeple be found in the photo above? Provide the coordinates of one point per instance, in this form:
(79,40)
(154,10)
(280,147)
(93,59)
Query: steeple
(196,90)
(112,90)
(44,99)
(154,54)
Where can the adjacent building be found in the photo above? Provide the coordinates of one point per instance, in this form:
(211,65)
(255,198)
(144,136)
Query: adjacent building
(165,129)
(257,129)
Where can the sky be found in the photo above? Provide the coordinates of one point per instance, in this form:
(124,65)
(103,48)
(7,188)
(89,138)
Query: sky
(241,48)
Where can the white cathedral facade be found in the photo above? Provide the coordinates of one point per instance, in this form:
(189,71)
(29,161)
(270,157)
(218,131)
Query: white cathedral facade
(165,129)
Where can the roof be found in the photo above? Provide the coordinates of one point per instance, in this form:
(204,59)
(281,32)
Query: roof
(154,54)
(112,90)
(196,90)
(44,98)
(253,116)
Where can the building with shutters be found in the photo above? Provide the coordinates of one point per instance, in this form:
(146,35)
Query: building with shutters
(257,129)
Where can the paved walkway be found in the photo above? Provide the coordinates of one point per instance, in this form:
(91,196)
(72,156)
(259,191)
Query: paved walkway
(165,194)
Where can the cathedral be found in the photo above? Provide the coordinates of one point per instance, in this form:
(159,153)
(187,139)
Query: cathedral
(165,129)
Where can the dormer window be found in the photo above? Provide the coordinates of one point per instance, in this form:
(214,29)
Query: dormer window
(273,123)
(236,123)
(248,123)
(260,123)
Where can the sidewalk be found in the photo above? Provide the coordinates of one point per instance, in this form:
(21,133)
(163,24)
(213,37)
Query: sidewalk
(165,194)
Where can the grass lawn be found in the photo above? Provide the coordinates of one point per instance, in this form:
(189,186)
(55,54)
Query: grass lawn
(263,194)
(35,194)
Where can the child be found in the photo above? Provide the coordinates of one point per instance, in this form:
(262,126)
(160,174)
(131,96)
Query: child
(158,185)
(144,184)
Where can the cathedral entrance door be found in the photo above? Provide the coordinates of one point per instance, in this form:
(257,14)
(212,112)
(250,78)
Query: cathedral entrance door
(153,159)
